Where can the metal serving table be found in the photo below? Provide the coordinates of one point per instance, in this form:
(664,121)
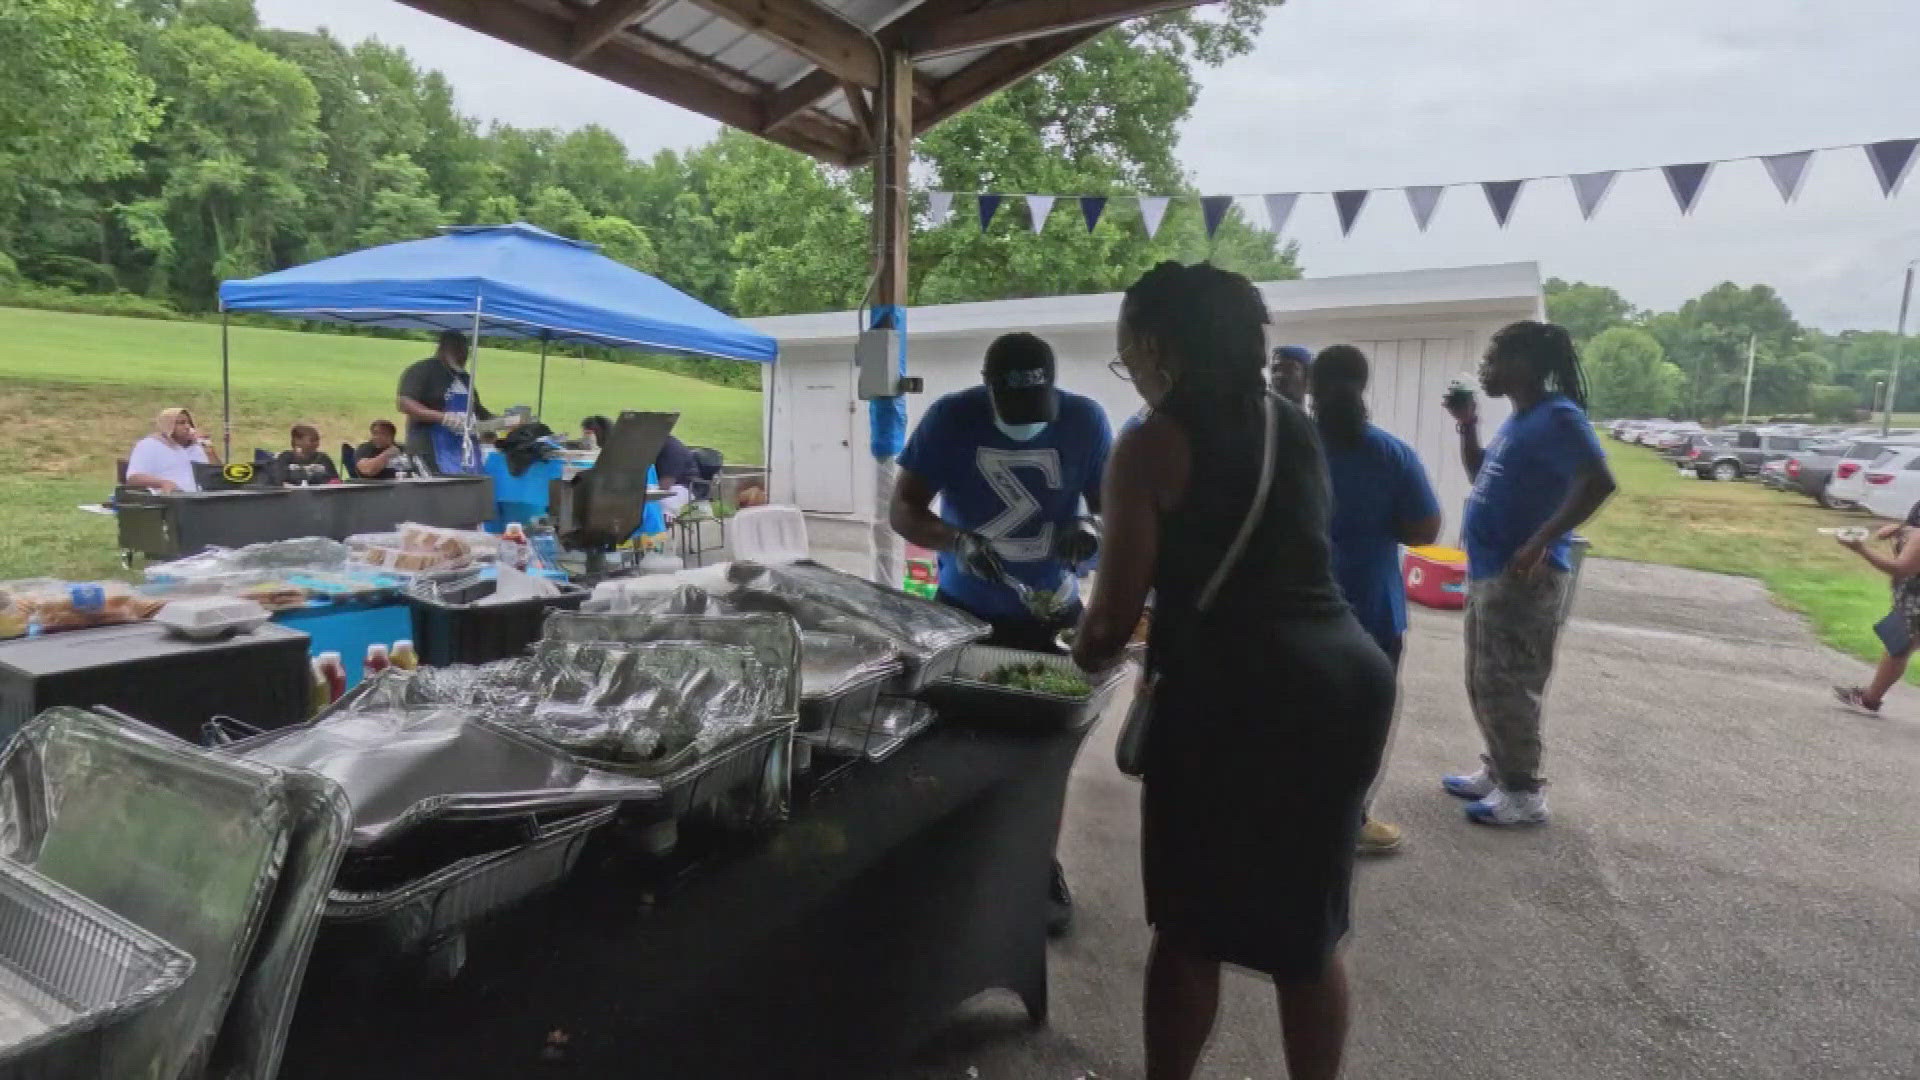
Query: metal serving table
(171,525)
(834,944)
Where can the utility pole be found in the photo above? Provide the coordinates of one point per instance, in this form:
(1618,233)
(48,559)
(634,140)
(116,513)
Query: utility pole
(1899,346)
(1746,401)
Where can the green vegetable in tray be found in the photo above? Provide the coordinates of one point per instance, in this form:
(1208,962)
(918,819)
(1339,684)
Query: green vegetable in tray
(1039,678)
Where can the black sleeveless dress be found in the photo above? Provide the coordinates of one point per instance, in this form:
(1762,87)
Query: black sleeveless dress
(1270,716)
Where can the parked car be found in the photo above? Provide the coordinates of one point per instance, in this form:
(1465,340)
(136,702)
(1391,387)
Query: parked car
(1773,474)
(1745,455)
(1848,486)
(1809,470)
(1676,435)
(1893,482)
(1689,450)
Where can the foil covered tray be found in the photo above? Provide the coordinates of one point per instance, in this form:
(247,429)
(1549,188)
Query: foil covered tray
(183,843)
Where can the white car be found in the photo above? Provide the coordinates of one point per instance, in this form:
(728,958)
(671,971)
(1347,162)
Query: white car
(1893,483)
(1848,487)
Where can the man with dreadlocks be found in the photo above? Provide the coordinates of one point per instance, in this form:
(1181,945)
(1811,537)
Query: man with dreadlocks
(1542,476)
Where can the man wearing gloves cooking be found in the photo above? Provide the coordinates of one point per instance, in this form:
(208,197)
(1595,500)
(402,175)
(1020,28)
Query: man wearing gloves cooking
(435,394)
(1011,461)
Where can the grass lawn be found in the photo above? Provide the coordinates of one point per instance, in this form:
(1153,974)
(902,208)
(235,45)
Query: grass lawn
(79,390)
(1743,528)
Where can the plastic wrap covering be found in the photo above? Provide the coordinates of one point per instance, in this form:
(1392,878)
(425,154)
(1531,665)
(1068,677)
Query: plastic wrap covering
(828,601)
(406,766)
(773,639)
(314,553)
(185,844)
(52,605)
(832,664)
(251,1042)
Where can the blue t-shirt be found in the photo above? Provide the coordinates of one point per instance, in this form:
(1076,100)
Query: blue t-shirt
(1379,488)
(1017,494)
(1525,478)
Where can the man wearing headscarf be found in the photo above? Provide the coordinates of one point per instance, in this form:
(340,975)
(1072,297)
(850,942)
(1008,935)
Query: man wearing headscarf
(164,460)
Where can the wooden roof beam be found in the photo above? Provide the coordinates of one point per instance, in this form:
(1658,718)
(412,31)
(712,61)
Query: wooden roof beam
(823,37)
(1026,20)
(1003,68)
(599,23)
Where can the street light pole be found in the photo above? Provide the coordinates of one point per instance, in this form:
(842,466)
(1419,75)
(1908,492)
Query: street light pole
(1899,346)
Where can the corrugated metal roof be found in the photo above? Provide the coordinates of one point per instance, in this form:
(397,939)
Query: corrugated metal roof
(777,67)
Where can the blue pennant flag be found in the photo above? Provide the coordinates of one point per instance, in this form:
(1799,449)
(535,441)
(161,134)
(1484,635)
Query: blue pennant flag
(989,205)
(1348,204)
(1091,207)
(1501,195)
(1214,208)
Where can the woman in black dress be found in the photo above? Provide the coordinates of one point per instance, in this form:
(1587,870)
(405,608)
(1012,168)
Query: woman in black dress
(1272,706)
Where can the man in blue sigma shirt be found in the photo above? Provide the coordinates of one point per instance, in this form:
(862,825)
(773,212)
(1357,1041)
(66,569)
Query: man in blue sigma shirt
(1542,476)
(1010,461)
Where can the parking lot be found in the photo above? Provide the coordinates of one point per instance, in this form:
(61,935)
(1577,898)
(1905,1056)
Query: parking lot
(1728,889)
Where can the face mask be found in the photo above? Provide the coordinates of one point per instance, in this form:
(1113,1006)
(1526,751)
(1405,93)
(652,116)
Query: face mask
(1020,432)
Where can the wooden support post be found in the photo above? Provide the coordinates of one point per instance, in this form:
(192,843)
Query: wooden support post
(892,157)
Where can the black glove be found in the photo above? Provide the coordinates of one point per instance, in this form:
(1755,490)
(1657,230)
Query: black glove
(978,557)
(1078,543)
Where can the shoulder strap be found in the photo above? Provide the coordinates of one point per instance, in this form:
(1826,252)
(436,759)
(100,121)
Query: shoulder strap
(1260,493)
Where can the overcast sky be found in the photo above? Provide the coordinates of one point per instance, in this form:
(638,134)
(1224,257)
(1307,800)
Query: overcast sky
(1374,93)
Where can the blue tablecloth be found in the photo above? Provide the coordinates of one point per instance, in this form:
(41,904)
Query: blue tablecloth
(348,628)
(525,497)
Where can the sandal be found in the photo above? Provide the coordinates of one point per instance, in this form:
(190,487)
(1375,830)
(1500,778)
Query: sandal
(1855,698)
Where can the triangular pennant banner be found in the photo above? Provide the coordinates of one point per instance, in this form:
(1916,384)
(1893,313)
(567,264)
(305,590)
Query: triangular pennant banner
(1214,209)
(1039,206)
(1501,195)
(989,205)
(1891,161)
(1590,188)
(1153,210)
(1788,171)
(1091,207)
(1423,201)
(1347,204)
(940,206)
(1685,181)
(1279,209)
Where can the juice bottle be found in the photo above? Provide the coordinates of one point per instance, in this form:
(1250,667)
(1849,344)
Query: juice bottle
(402,655)
(319,689)
(377,660)
(514,550)
(335,670)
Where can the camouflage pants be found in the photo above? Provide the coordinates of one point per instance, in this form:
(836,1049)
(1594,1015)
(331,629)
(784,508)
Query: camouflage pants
(1512,625)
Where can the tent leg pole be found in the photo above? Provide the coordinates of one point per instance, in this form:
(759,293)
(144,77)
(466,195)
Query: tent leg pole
(470,453)
(226,393)
(540,398)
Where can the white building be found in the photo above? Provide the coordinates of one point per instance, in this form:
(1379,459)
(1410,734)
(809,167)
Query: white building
(1419,328)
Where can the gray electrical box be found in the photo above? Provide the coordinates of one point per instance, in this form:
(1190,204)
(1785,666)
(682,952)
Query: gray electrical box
(877,357)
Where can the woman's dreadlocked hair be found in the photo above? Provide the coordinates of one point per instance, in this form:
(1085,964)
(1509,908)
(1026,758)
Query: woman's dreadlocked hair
(1548,350)
(1339,383)
(1211,322)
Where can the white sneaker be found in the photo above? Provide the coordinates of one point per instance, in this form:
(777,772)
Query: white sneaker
(1474,785)
(1503,807)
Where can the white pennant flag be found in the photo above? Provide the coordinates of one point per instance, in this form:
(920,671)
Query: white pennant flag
(1589,189)
(1038,207)
(940,206)
(1279,209)
(1788,172)
(1153,210)
(1423,201)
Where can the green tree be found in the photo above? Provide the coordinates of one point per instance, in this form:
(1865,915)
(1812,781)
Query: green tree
(403,206)
(1628,374)
(622,241)
(73,104)
(1709,337)
(1586,310)
(1834,403)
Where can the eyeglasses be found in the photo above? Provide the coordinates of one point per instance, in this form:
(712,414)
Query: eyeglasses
(1119,369)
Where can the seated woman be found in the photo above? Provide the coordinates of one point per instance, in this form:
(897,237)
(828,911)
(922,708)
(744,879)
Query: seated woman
(382,457)
(164,460)
(305,464)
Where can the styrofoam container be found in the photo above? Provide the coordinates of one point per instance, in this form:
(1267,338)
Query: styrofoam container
(204,618)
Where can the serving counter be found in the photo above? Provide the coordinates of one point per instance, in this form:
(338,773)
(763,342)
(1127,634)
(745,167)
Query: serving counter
(167,526)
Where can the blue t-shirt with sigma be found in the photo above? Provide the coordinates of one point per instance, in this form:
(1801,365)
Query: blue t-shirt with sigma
(1017,494)
(1528,471)
(1379,488)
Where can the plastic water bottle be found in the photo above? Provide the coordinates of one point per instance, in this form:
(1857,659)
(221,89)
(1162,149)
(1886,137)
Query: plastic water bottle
(546,547)
(514,550)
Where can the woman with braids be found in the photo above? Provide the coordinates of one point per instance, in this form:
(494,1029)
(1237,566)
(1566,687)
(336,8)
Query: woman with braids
(1381,499)
(1271,703)
(1542,476)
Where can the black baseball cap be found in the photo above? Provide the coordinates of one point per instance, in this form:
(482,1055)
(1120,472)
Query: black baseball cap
(1020,374)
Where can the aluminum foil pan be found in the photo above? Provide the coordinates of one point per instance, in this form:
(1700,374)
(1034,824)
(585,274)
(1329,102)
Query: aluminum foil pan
(833,664)
(830,601)
(185,844)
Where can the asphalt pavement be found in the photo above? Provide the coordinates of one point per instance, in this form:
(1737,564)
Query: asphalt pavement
(1730,887)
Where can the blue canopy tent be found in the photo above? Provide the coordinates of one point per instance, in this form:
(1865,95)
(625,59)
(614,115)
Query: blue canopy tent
(503,281)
